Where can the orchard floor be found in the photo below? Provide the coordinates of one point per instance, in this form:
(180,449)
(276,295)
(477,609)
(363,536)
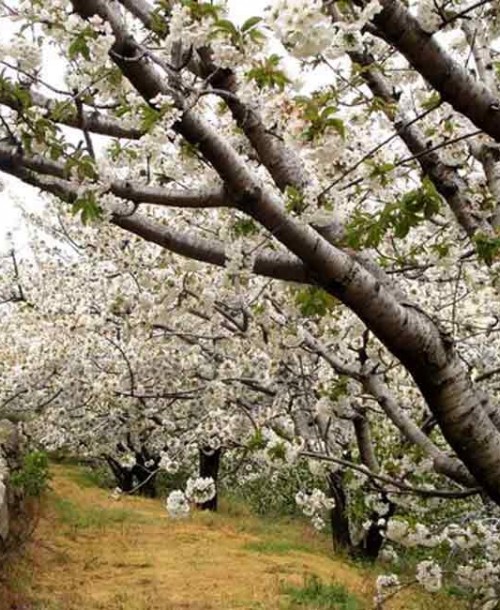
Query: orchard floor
(90,552)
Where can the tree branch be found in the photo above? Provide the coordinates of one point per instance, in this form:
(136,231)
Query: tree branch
(453,82)
(65,114)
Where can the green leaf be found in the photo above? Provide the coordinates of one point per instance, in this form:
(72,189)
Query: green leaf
(441,249)
(379,171)
(250,23)
(318,111)
(224,25)
(414,207)
(61,111)
(488,248)
(277,452)
(16,92)
(267,74)
(158,23)
(295,201)
(149,117)
(432,101)
(257,441)
(33,476)
(244,227)
(56,151)
(313,301)
(338,125)
(87,207)
(198,10)
(79,46)
(256,35)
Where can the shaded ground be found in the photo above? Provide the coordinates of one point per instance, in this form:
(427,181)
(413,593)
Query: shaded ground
(91,552)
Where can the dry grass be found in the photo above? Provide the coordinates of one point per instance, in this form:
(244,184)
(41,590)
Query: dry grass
(91,552)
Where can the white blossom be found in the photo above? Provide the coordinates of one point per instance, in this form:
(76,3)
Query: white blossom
(177,504)
(429,575)
(200,490)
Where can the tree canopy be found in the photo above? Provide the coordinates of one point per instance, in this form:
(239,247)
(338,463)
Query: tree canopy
(276,237)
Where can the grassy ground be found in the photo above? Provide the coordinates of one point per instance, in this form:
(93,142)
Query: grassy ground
(90,552)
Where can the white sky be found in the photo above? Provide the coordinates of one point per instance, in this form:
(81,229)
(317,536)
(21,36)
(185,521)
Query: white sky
(15,193)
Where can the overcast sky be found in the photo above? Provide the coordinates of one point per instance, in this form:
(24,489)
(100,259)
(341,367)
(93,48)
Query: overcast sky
(15,193)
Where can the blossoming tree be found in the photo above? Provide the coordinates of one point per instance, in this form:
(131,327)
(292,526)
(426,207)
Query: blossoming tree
(375,195)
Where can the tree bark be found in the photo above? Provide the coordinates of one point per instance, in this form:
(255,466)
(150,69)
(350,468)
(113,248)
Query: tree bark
(454,83)
(209,467)
(123,476)
(339,520)
(144,477)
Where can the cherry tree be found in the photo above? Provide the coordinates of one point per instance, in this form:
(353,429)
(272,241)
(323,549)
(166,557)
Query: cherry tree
(176,126)
(114,394)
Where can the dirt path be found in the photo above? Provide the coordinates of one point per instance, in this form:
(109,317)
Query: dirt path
(91,552)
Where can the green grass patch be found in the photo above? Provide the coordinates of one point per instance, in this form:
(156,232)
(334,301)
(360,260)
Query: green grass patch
(315,594)
(283,535)
(96,476)
(78,518)
(277,547)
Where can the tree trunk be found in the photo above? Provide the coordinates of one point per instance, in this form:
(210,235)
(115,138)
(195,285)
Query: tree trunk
(372,542)
(374,539)
(123,476)
(209,467)
(144,477)
(338,515)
